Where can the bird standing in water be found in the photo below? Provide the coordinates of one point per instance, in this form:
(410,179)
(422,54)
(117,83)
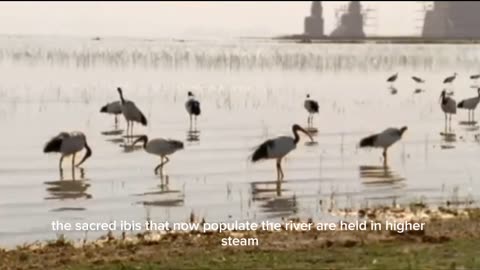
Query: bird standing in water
(312,107)
(131,112)
(449,107)
(278,148)
(193,107)
(68,144)
(160,147)
(384,139)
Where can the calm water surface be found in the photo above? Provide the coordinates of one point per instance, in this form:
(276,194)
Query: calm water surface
(249,91)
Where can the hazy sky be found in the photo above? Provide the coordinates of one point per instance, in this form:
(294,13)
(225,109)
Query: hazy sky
(196,19)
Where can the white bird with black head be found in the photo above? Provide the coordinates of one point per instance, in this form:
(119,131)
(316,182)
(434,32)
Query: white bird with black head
(470,104)
(160,147)
(192,105)
(448,105)
(68,144)
(278,148)
(384,140)
(312,107)
(131,113)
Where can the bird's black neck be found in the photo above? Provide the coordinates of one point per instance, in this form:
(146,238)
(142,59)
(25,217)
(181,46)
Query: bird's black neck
(296,136)
(121,96)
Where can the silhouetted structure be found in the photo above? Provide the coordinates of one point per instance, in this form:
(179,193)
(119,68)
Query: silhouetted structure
(314,22)
(452,19)
(351,23)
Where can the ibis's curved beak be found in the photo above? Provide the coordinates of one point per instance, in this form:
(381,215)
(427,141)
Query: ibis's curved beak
(87,154)
(306,133)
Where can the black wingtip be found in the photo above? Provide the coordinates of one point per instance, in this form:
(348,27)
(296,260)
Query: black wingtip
(103,109)
(143,120)
(368,141)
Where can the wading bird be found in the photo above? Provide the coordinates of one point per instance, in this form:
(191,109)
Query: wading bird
(114,108)
(68,144)
(384,139)
(131,112)
(450,79)
(312,107)
(448,105)
(278,148)
(470,104)
(193,107)
(418,79)
(392,78)
(160,147)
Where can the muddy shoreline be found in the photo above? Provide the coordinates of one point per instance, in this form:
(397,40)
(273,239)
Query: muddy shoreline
(172,249)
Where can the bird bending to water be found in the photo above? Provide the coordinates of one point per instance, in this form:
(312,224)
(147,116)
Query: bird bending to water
(131,112)
(193,107)
(114,108)
(68,144)
(278,148)
(384,139)
(470,104)
(160,147)
(448,105)
(451,78)
(312,107)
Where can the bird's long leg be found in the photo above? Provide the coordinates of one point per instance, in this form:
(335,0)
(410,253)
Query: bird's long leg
(162,163)
(279,169)
(73,160)
(60,162)
(116,121)
(158,166)
(384,154)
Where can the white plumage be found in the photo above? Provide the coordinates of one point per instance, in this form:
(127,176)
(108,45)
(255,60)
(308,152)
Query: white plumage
(278,148)
(68,144)
(131,112)
(470,104)
(160,147)
(384,140)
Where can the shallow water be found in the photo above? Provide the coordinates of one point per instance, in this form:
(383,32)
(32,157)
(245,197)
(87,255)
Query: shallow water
(249,91)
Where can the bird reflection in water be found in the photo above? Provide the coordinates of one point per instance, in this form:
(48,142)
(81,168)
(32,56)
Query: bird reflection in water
(162,195)
(379,175)
(382,184)
(272,198)
(64,189)
(193,135)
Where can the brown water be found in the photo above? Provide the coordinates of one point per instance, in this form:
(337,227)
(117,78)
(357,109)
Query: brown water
(249,91)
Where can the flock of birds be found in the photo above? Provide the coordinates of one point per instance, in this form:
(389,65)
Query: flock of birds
(69,144)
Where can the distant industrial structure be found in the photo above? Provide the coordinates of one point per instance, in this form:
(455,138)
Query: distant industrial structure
(314,22)
(452,19)
(442,20)
(350,22)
